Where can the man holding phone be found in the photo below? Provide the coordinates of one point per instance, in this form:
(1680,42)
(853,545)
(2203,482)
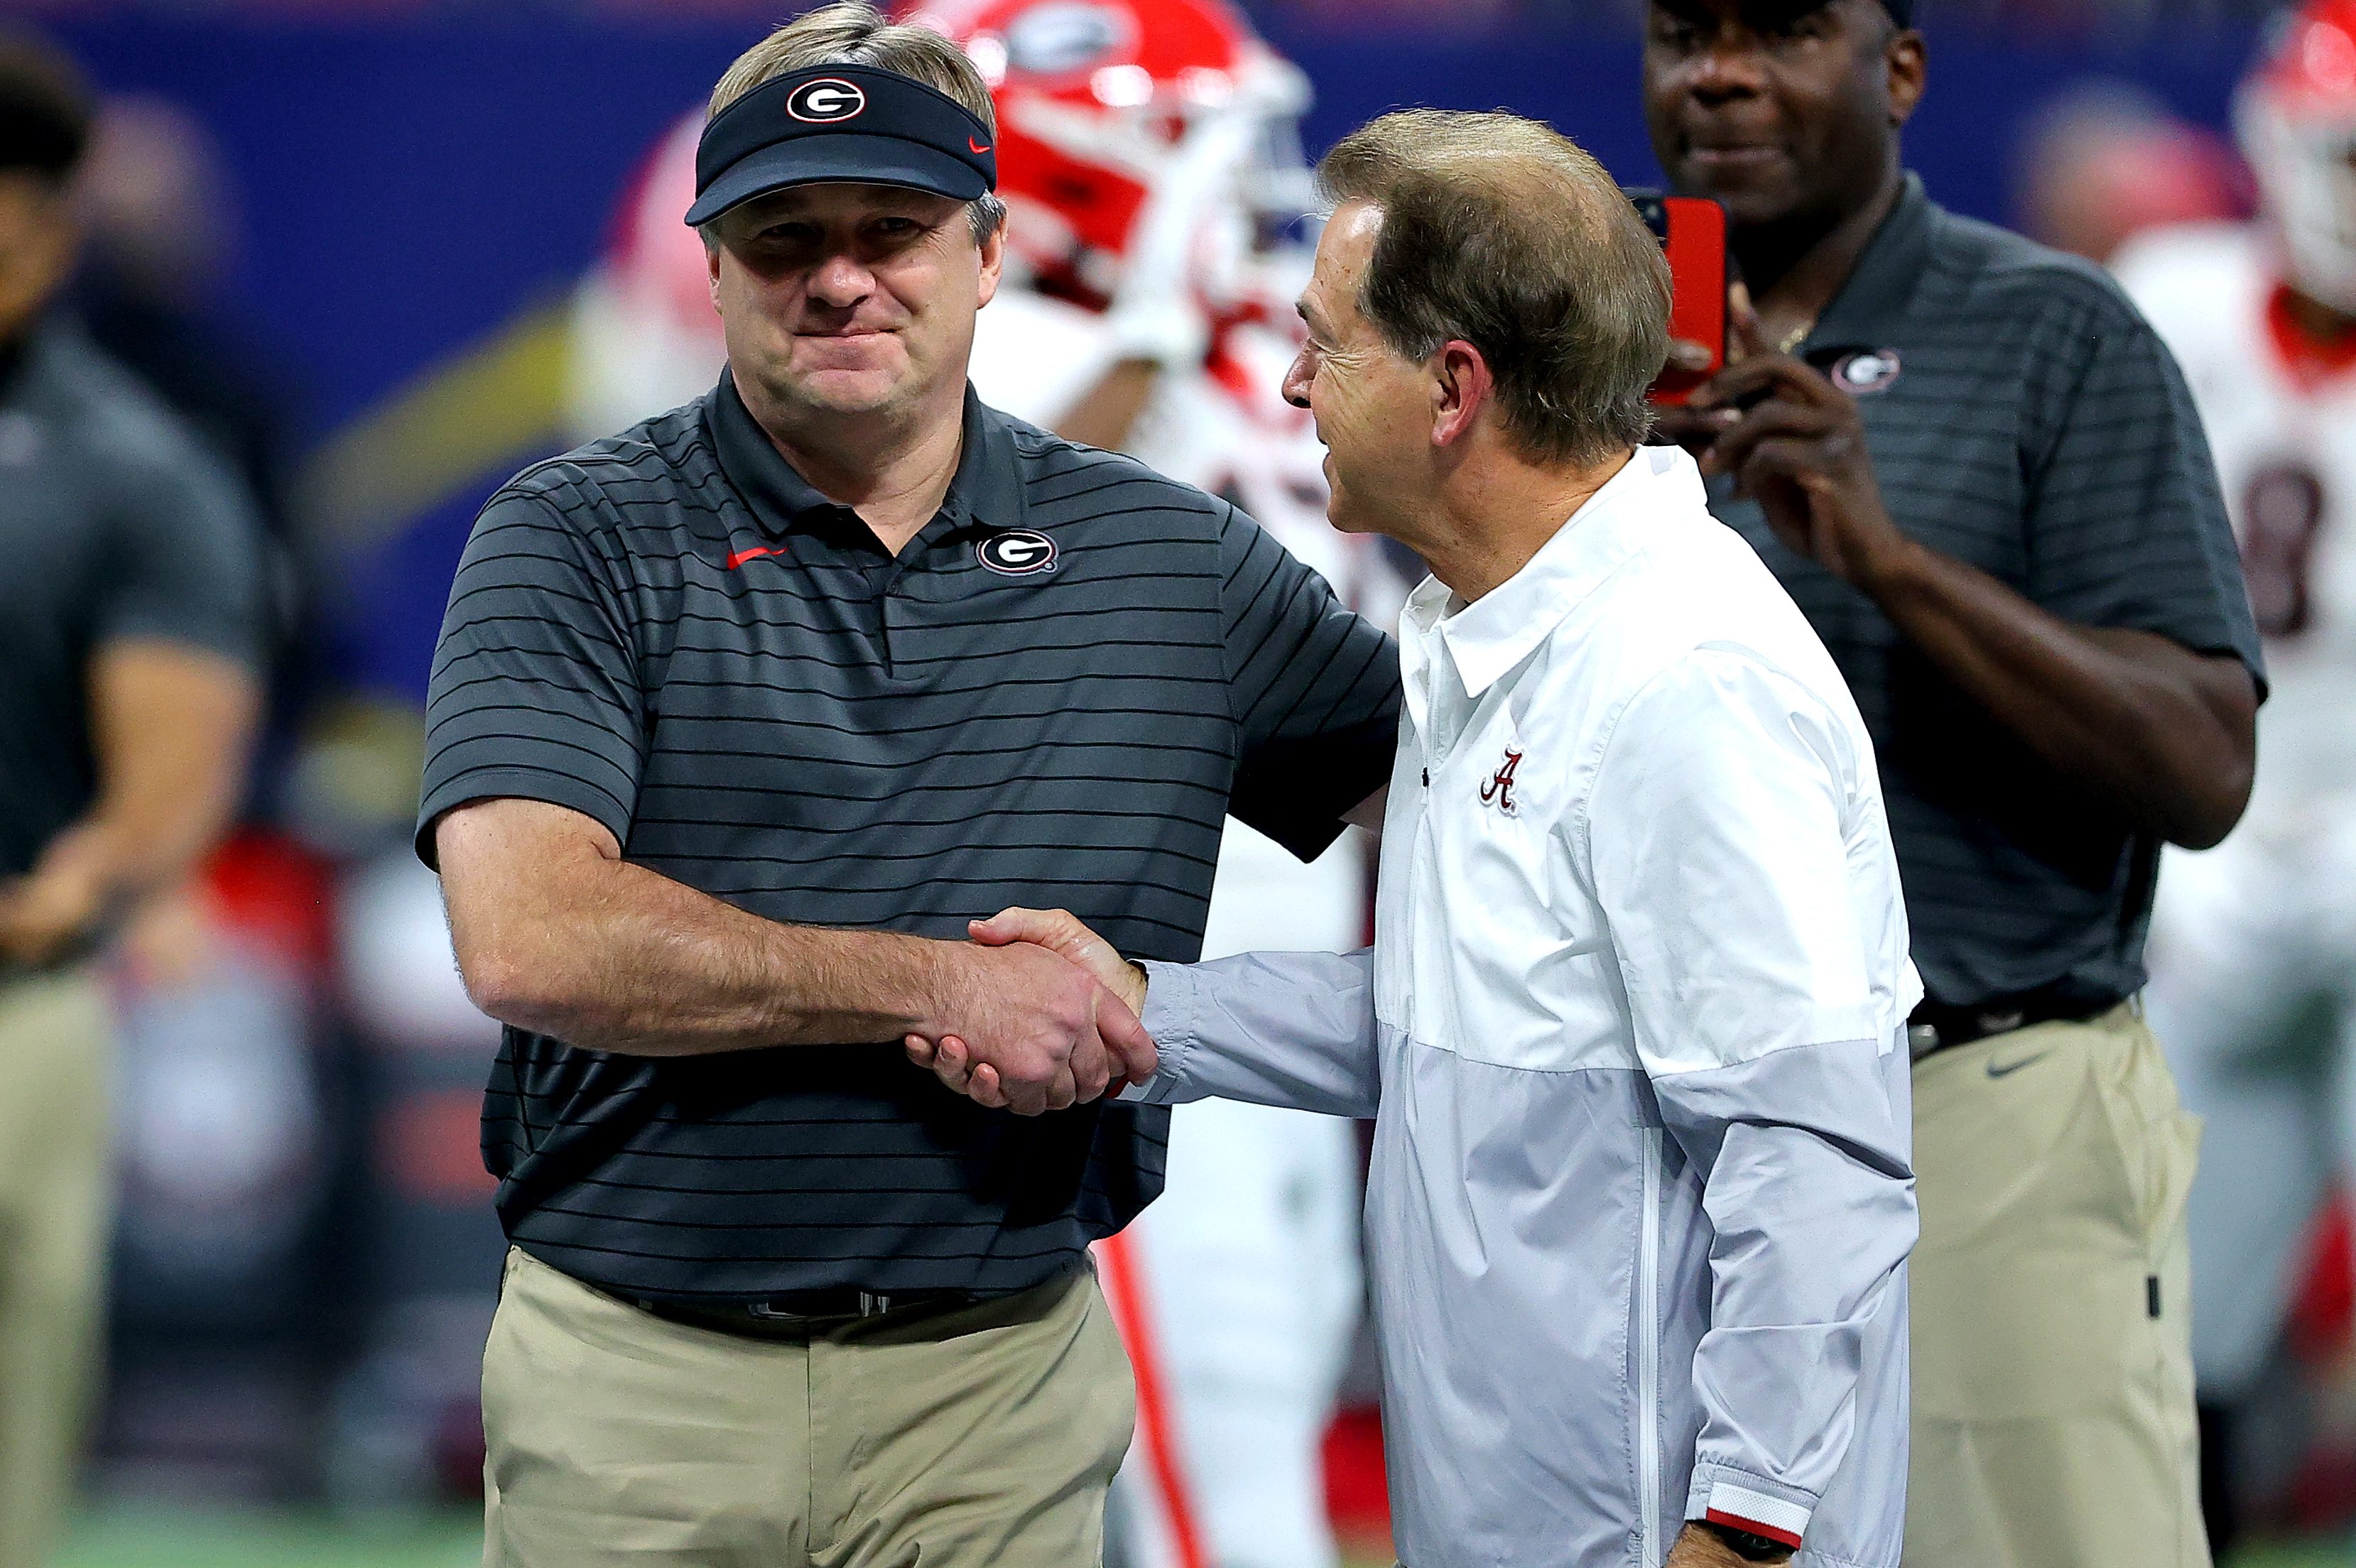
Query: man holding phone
(1979,474)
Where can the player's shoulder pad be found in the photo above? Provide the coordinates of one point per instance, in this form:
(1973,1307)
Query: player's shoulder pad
(2187,275)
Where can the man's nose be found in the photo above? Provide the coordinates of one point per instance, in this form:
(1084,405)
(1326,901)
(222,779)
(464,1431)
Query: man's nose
(1731,69)
(841,281)
(1297,377)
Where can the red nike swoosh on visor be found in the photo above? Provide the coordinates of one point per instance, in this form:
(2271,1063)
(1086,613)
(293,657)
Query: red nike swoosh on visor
(977,146)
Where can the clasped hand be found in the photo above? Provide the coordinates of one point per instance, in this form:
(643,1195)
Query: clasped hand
(1049,1019)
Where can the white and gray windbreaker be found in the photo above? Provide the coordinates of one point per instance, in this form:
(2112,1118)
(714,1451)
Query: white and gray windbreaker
(1633,1034)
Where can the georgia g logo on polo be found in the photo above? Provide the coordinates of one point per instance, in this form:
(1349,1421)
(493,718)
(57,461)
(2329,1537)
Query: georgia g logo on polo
(826,101)
(1017,553)
(1861,375)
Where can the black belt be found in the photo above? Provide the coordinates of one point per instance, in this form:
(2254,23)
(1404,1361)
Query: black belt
(800,1314)
(1937,1026)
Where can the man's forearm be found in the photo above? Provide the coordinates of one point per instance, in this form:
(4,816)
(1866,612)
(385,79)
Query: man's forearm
(125,855)
(170,728)
(2164,735)
(1105,415)
(624,959)
(557,932)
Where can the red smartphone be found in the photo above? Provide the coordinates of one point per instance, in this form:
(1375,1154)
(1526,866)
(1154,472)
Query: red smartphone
(1692,230)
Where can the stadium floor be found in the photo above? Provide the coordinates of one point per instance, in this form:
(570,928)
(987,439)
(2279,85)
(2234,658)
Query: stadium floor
(159,1536)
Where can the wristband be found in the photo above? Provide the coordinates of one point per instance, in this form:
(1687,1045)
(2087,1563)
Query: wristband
(1748,1547)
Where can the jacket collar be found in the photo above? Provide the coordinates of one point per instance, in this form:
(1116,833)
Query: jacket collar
(1487,638)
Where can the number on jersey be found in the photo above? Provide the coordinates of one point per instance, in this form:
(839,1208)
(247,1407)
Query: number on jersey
(2282,512)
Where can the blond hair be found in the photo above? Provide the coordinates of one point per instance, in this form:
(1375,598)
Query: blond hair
(1500,231)
(855,33)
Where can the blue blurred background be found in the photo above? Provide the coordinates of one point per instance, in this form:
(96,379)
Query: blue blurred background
(414,180)
(362,227)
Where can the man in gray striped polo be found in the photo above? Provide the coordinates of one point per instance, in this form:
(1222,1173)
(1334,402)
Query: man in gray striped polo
(1980,474)
(737,718)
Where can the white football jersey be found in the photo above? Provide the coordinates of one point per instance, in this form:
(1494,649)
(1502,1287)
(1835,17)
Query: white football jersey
(2284,442)
(1226,430)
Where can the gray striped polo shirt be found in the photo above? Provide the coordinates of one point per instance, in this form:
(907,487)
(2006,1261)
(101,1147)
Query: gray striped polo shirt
(115,525)
(2023,418)
(1053,696)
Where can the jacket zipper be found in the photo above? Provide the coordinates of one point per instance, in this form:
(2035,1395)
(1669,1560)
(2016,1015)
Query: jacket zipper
(1648,1358)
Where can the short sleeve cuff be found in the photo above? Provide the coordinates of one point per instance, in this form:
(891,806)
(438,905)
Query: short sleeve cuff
(515,784)
(1308,813)
(1172,1014)
(1752,1504)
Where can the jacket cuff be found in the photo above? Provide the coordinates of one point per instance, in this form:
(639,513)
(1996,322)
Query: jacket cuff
(1752,1504)
(1173,1012)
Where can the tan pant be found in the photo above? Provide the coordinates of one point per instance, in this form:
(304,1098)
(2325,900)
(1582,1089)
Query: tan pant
(56,1063)
(986,1437)
(2053,1415)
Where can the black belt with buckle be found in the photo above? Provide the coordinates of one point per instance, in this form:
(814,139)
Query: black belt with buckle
(798,1314)
(1937,1026)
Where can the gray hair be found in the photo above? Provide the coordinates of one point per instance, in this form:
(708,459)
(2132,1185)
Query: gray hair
(1500,231)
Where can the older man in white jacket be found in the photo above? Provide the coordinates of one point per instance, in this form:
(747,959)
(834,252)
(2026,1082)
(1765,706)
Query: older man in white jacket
(1632,1029)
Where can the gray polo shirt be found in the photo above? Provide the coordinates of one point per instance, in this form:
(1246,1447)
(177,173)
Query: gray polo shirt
(1051,696)
(2023,418)
(115,525)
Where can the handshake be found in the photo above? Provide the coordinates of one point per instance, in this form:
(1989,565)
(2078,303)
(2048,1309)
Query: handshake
(1048,1017)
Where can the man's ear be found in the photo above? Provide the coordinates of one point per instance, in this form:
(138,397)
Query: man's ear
(1462,386)
(712,262)
(993,263)
(1907,63)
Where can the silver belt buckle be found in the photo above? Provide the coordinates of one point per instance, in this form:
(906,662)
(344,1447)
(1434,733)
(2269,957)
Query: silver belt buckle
(770,1314)
(871,1305)
(1921,1040)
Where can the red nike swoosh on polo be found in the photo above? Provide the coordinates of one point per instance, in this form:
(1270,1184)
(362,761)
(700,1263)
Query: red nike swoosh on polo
(758,550)
(977,146)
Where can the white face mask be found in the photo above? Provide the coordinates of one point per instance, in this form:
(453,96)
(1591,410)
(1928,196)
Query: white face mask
(2304,157)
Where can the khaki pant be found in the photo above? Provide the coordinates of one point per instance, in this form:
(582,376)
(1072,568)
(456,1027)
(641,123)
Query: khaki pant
(56,1062)
(2053,1415)
(984,1436)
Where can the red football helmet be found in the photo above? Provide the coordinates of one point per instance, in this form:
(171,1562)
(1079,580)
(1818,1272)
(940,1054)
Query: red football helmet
(2298,115)
(656,259)
(1094,99)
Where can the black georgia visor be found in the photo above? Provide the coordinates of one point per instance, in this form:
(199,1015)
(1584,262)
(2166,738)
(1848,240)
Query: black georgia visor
(841,123)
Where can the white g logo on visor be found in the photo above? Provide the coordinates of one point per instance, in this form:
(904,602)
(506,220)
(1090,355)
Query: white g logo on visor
(826,101)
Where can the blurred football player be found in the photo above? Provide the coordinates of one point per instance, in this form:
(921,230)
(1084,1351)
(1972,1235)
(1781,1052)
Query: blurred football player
(1159,233)
(2254,942)
(2106,161)
(644,337)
